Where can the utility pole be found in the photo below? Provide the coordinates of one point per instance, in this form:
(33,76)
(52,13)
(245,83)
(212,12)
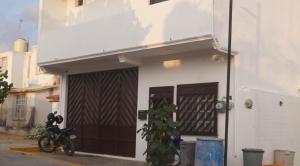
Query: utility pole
(228,80)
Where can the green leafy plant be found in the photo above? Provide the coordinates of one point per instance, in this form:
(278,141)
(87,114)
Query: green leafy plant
(39,131)
(157,133)
(5,87)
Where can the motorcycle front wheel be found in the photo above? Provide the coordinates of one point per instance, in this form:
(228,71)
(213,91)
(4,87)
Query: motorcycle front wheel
(46,144)
(69,147)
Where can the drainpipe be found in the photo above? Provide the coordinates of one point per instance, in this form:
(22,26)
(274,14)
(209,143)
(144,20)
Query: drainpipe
(228,80)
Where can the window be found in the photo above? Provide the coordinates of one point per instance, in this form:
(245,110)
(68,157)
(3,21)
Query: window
(3,64)
(196,114)
(20,113)
(29,66)
(78,3)
(160,95)
(156,1)
(39,70)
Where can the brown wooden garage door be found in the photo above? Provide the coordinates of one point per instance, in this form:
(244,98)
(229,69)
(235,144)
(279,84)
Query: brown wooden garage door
(102,107)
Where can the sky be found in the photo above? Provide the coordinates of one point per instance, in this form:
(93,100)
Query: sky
(11,12)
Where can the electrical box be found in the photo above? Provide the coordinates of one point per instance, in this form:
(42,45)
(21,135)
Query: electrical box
(142,114)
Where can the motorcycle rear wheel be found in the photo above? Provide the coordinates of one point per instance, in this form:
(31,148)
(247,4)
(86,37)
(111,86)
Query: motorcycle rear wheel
(176,161)
(46,144)
(69,147)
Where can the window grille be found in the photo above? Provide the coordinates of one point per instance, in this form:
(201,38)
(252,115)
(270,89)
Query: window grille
(20,113)
(156,1)
(196,114)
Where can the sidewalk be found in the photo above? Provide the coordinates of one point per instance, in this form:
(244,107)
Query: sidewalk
(86,160)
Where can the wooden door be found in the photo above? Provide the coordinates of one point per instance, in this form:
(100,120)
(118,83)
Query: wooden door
(102,107)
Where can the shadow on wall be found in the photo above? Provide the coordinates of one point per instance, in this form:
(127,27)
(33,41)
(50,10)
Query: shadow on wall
(2,117)
(263,62)
(118,13)
(92,9)
(264,67)
(110,31)
(185,13)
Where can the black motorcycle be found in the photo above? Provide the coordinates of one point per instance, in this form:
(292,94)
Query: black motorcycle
(176,139)
(175,147)
(56,137)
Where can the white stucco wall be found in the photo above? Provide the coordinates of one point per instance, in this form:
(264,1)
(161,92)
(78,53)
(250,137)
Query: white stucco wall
(15,67)
(267,69)
(10,107)
(37,101)
(9,56)
(277,126)
(42,107)
(265,40)
(51,18)
(22,72)
(32,76)
(101,26)
(18,63)
(196,68)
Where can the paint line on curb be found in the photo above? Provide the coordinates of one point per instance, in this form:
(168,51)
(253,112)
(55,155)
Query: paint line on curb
(26,149)
(46,158)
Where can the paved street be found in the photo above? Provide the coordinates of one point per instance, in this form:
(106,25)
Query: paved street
(10,157)
(18,159)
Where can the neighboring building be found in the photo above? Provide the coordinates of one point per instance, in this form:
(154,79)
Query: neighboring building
(27,104)
(114,55)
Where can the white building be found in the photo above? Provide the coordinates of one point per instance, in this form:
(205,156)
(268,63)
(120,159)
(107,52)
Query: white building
(172,44)
(27,104)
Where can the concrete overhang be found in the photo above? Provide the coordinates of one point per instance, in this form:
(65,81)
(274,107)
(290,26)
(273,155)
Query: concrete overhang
(135,56)
(32,89)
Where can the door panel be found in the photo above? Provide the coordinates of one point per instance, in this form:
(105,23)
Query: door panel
(110,98)
(127,117)
(90,113)
(160,95)
(76,106)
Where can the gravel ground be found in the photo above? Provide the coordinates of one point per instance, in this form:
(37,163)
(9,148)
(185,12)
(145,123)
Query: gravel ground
(14,139)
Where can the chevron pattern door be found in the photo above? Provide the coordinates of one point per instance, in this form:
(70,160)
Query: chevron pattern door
(102,107)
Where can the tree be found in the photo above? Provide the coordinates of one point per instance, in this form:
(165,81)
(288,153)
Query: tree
(5,87)
(157,133)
